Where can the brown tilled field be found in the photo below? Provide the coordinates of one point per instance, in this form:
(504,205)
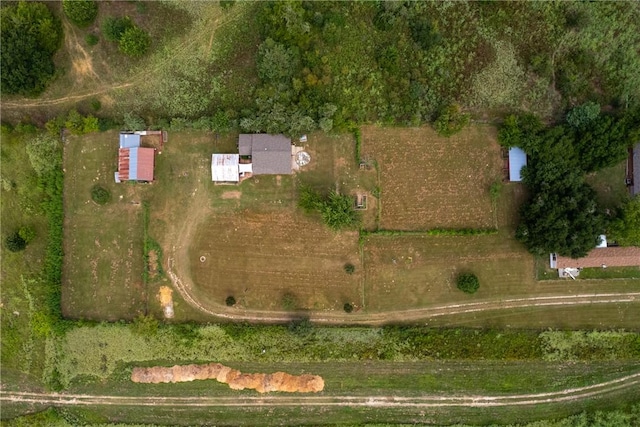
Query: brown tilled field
(429,181)
(260,257)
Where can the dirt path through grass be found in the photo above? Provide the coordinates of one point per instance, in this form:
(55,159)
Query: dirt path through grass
(426,401)
(81,61)
(178,262)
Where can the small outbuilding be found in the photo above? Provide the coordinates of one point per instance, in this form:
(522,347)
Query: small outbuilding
(517,160)
(135,163)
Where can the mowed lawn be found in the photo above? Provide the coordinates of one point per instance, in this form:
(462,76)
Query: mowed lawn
(103,245)
(418,271)
(428,181)
(258,246)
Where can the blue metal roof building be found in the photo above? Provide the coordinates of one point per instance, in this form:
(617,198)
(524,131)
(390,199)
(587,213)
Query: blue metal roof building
(517,160)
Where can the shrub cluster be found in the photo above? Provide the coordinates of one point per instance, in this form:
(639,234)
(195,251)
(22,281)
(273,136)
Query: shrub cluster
(468,283)
(100,195)
(337,210)
(14,242)
(450,121)
(74,122)
(132,40)
(357,136)
(80,12)
(562,214)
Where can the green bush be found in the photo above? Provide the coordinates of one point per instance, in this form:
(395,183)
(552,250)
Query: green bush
(131,122)
(146,326)
(289,301)
(349,268)
(450,121)
(309,199)
(134,42)
(27,233)
(91,39)
(468,283)
(96,105)
(494,191)
(113,28)
(44,153)
(80,12)
(338,211)
(583,115)
(14,242)
(230,301)
(100,195)
(348,307)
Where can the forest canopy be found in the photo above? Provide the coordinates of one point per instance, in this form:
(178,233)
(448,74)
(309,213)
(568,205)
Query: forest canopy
(30,37)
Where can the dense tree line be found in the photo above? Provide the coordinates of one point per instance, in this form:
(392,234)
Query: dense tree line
(562,214)
(30,36)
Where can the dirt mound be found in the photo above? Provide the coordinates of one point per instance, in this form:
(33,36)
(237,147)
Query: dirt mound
(166,301)
(263,383)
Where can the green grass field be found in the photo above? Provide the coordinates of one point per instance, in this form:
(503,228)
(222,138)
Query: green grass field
(366,379)
(103,244)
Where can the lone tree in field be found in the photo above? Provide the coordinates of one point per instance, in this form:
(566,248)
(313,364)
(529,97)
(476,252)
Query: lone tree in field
(15,243)
(230,301)
(468,283)
(134,42)
(348,307)
(30,37)
(349,268)
(80,12)
(100,195)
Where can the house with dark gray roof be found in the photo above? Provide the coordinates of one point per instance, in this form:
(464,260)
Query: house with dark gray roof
(270,154)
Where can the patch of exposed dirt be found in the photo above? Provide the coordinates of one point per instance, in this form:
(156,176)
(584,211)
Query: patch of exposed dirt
(262,383)
(231,195)
(165,295)
(153,264)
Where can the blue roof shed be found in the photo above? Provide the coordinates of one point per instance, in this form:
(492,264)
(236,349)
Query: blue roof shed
(129,140)
(517,160)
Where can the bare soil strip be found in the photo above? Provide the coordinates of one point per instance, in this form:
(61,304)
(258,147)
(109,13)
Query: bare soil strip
(426,401)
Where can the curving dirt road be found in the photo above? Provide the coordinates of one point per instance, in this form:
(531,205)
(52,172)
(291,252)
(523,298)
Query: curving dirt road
(626,384)
(178,270)
(418,314)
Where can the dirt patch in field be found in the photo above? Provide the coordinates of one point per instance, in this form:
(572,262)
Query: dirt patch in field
(262,383)
(153,264)
(165,295)
(227,195)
